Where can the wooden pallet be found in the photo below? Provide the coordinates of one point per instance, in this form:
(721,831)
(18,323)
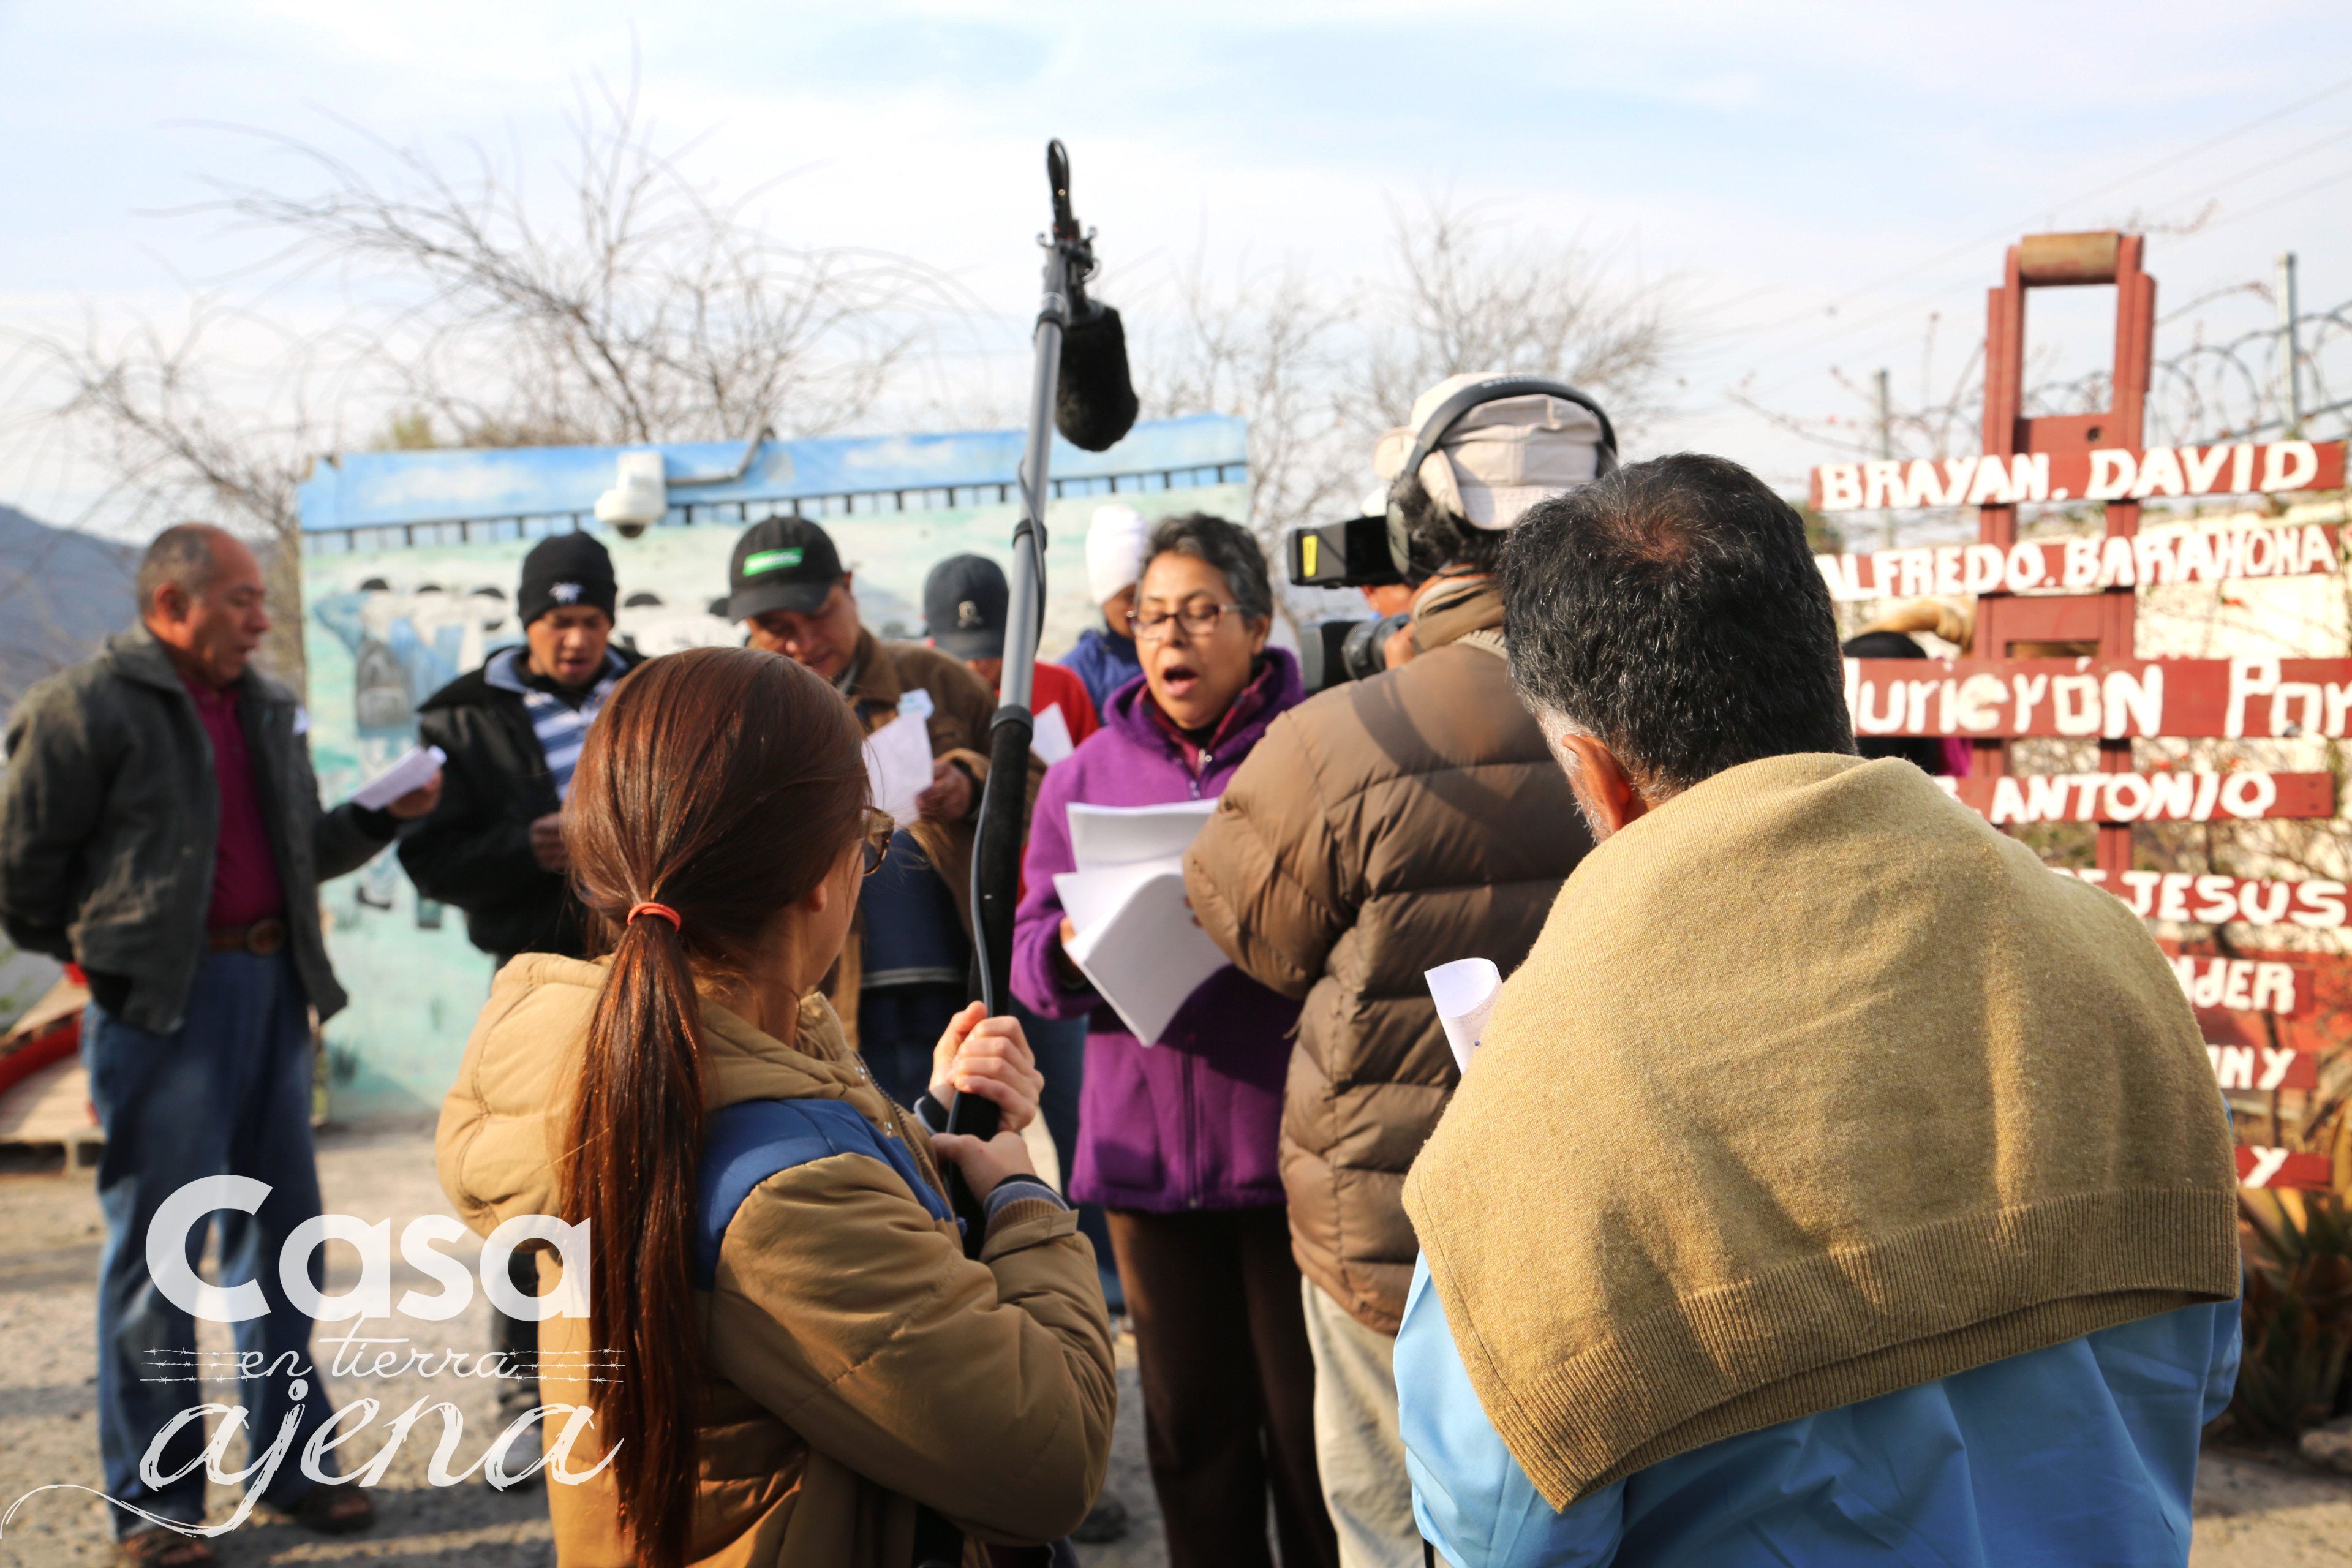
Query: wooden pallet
(52,1108)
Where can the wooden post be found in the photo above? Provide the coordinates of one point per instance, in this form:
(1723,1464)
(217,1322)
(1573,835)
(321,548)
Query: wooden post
(2047,261)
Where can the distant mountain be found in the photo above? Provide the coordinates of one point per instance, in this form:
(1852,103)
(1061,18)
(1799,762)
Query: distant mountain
(61,592)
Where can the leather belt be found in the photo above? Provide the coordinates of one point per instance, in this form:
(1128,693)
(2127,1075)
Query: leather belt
(261,938)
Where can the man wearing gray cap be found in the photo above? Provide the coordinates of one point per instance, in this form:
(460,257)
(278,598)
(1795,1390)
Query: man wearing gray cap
(1381,829)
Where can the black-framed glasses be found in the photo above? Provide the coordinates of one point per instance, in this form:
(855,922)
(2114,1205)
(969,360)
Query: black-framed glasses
(875,848)
(1198,619)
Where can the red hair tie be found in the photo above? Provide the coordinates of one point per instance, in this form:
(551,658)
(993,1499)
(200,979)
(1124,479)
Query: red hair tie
(661,911)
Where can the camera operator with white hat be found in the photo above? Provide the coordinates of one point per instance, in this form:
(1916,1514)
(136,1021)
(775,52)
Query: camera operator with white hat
(1381,829)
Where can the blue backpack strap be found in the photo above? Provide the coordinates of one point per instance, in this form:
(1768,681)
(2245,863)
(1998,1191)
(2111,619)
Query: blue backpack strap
(752,1140)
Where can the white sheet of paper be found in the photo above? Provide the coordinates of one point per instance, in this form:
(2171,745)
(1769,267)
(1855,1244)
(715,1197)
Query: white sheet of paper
(412,769)
(1104,835)
(1146,954)
(1464,990)
(1049,736)
(1090,897)
(899,766)
(1137,939)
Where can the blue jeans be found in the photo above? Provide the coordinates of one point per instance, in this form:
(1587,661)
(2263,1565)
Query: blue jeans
(228,1094)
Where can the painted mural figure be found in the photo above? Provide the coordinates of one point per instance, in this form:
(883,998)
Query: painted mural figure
(403,646)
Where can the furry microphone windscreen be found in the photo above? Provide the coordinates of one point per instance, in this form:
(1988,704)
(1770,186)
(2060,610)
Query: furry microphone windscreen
(1094,403)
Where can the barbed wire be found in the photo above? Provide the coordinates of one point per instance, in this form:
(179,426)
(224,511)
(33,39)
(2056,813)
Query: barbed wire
(2205,393)
(2224,392)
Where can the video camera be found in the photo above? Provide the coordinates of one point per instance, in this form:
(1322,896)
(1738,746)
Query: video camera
(1356,554)
(1372,551)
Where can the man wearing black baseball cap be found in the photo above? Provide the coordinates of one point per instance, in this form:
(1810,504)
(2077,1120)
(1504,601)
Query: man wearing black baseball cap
(494,847)
(906,968)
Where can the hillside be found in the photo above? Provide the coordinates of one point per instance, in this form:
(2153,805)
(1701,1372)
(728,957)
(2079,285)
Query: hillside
(61,594)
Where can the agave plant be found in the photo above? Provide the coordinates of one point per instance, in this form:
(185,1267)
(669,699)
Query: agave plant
(2297,1315)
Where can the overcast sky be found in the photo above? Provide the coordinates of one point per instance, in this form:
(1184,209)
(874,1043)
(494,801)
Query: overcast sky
(1818,178)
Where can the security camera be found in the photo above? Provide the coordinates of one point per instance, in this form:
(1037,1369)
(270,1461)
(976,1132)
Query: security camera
(640,499)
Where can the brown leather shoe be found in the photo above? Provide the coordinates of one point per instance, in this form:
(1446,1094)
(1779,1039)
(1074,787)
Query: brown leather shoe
(162,1547)
(333,1511)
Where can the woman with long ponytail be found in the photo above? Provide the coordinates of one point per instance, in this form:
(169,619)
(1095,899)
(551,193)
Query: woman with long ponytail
(788,1356)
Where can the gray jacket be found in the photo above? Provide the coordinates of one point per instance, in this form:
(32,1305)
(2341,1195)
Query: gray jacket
(109,813)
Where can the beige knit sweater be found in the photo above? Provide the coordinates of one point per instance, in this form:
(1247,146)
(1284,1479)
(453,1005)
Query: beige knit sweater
(1833,1090)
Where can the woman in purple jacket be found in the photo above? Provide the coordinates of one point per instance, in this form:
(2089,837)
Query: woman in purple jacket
(1177,1140)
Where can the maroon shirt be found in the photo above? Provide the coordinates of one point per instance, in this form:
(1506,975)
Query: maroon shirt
(245,868)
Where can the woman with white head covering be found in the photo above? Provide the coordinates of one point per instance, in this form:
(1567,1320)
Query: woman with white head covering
(1105,657)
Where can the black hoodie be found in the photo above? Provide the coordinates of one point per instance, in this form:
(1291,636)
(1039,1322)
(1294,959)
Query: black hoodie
(474,851)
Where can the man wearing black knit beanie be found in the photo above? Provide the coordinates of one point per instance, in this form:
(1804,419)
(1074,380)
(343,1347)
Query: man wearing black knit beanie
(513,729)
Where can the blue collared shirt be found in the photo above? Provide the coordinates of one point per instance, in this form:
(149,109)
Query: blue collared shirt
(2081,1454)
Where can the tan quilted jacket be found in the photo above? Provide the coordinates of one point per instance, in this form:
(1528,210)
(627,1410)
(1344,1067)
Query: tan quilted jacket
(855,1361)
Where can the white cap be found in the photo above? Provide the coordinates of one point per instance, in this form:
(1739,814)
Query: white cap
(1116,541)
(1500,458)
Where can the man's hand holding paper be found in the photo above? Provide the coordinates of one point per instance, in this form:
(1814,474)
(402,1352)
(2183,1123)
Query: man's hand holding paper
(410,787)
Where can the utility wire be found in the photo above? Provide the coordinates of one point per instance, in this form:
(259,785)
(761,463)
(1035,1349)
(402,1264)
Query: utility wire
(2295,195)
(2285,158)
(2169,161)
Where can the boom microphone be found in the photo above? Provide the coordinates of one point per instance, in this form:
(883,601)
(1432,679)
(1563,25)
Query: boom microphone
(1094,399)
(1094,405)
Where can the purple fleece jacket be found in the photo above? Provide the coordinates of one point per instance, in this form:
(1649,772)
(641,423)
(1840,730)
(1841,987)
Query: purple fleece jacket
(1190,1123)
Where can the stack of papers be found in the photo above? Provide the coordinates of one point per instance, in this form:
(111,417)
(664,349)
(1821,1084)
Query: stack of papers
(899,766)
(1137,941)
(412,769)
(1464,991)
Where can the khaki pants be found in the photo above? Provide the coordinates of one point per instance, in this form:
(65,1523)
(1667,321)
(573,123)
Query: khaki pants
(1357,1453)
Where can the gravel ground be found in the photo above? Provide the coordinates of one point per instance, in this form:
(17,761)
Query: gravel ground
(50,1235)
(2251,1512)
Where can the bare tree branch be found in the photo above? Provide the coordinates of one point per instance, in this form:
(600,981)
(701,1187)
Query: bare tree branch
(1319,371)
(658,313)
(642,308)
(1468,295)
(1259,346)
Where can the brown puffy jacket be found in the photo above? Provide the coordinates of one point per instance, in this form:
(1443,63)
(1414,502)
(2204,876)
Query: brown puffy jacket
(854,1360)
(1380,829)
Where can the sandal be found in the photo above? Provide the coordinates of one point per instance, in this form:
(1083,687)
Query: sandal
(160,1548)
(333,1511)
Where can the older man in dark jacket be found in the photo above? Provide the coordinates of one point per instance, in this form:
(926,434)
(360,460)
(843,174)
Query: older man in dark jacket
(160,824)
(1380,829)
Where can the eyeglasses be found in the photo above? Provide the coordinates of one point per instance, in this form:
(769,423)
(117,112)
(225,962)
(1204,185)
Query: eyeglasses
(1198,619)
(875,848)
